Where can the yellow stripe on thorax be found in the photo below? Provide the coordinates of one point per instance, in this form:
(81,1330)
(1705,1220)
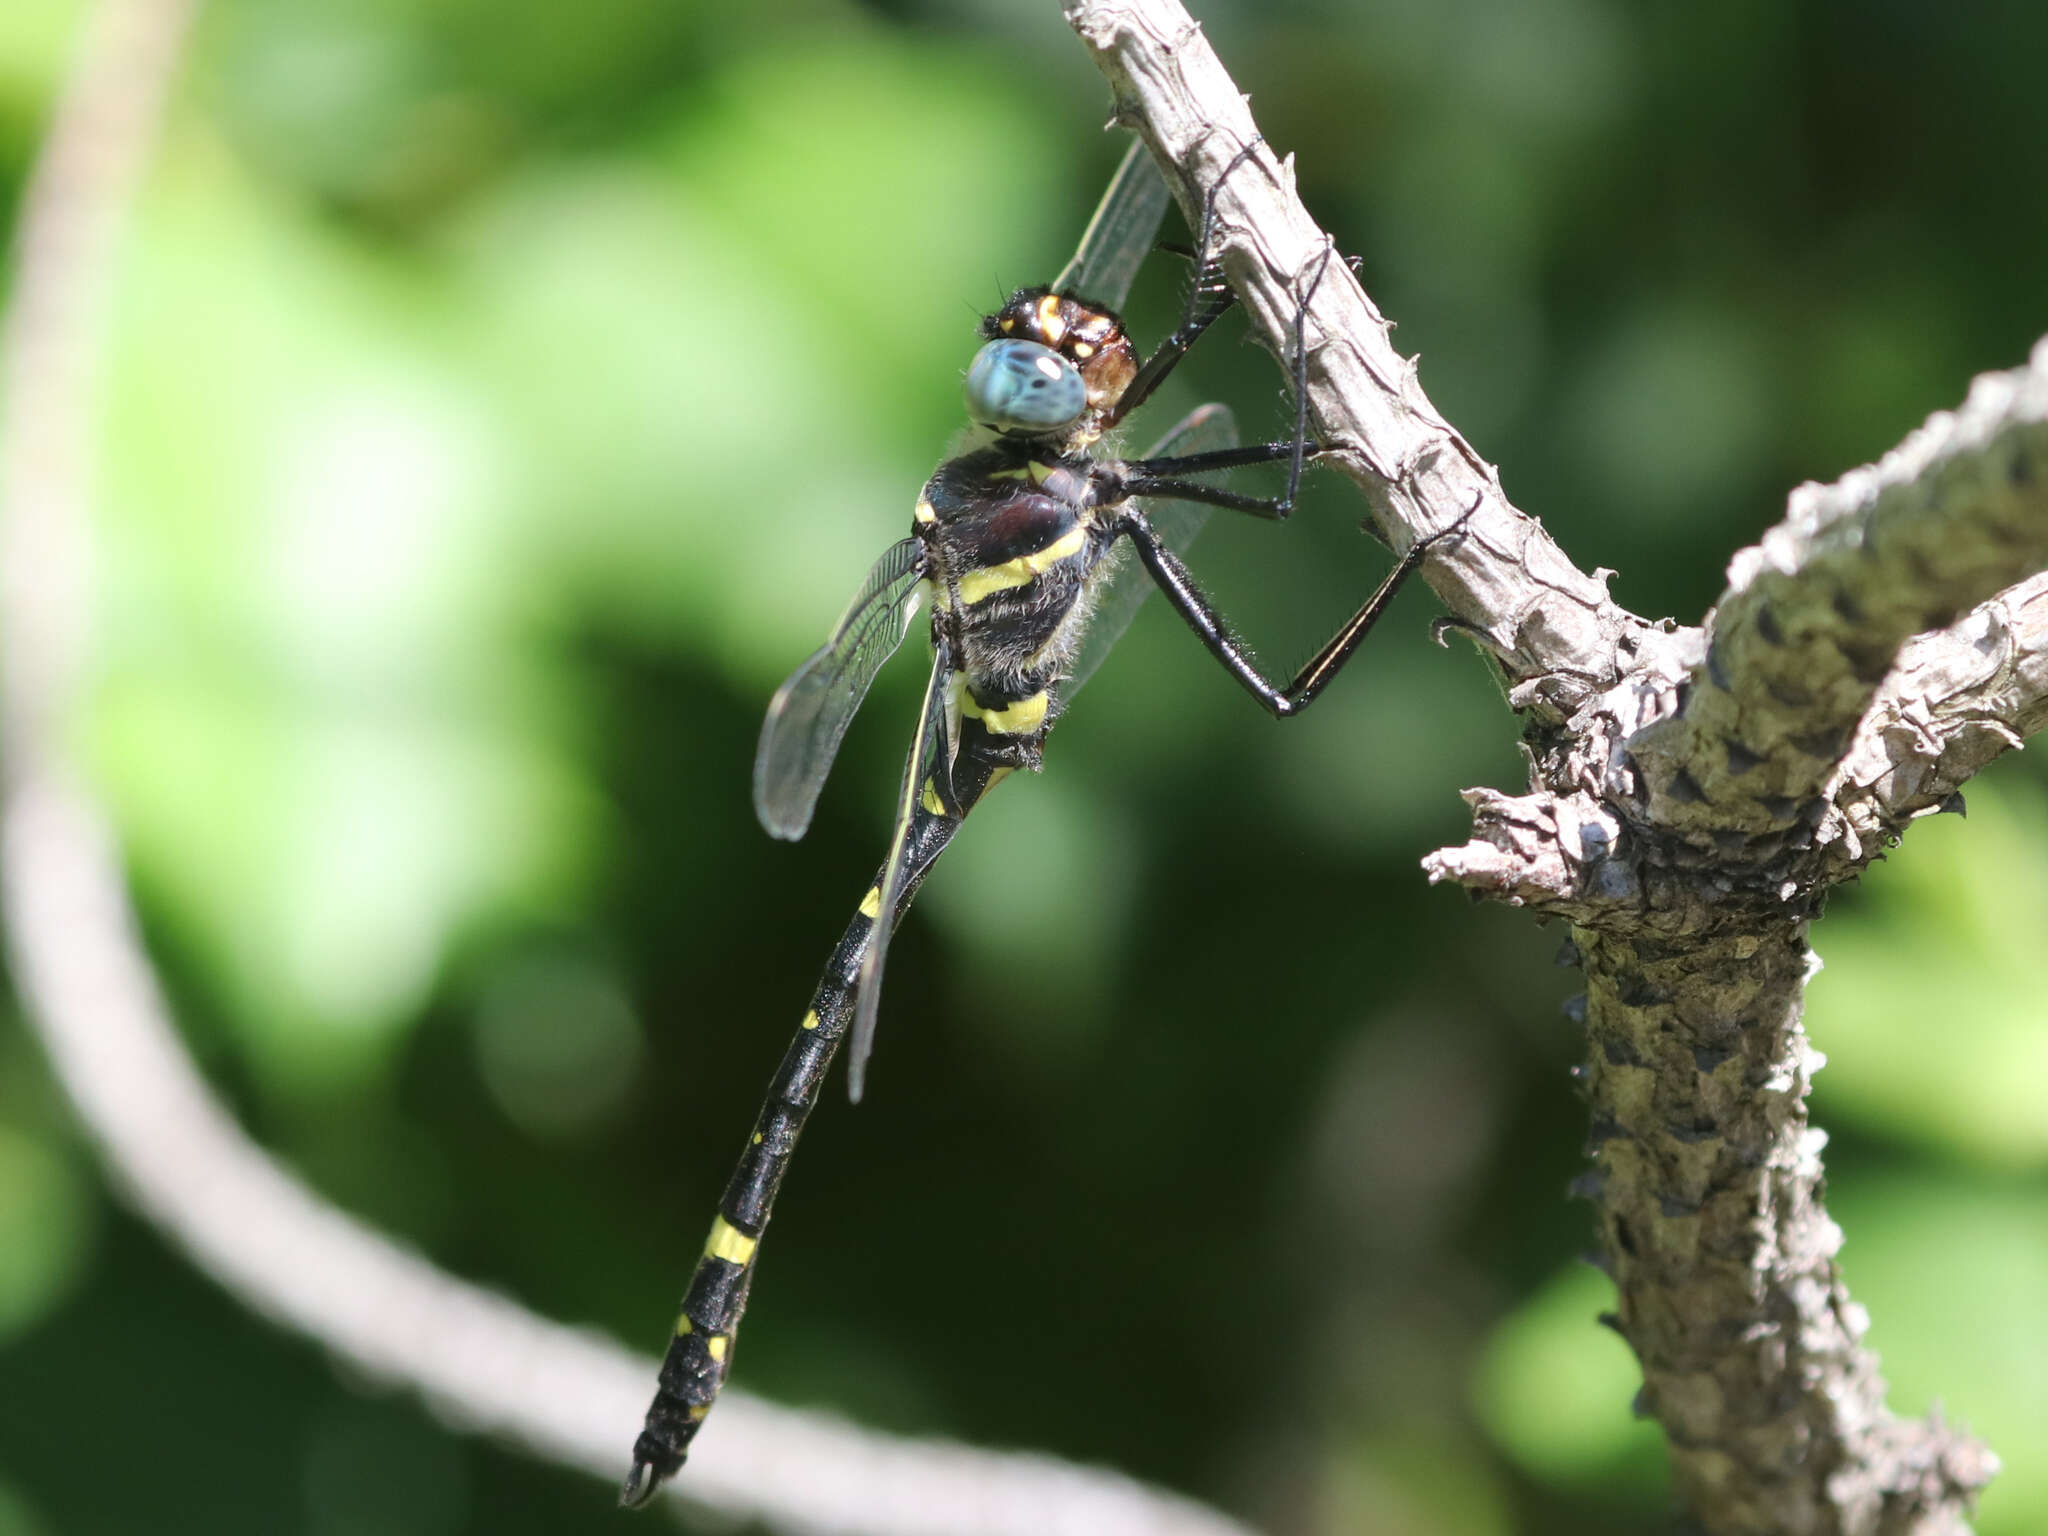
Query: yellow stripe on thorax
(1018,719)
(728,1242)
(991,579)
(1051,324)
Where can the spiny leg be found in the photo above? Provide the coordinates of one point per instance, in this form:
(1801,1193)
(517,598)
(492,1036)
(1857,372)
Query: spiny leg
(1173,579)
(1168,476)
(1210,495)
(700,1353)
(1301,380)
(1215,459)
(1208,297)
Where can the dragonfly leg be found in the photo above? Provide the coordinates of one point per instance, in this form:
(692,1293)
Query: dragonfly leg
(1208,297)
(1166,477)
(1301,437)
(1195,610)
(1273,507)
(1217,458)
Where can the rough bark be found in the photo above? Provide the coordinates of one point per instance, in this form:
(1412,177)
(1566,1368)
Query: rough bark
(1695,792)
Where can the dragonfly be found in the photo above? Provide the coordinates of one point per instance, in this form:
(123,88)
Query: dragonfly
(1019,548)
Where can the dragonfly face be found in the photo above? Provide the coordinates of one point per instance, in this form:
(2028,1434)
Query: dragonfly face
(1021,387)
(1087,338)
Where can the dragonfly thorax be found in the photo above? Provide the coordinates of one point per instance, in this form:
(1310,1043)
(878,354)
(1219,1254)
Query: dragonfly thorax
(1012,537)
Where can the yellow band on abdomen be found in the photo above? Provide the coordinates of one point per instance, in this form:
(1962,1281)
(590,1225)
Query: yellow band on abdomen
(728,1242)
(1018,719)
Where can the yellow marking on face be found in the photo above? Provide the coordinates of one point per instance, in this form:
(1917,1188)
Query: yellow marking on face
(684,1325)
(757,1138)
(930,798)
(924,513)
(991,579)
(811,1018)
(1016,719)
(728,1242)
(715,1346)
(1050,325)
(871,904)
(1082,350)
(1008,324)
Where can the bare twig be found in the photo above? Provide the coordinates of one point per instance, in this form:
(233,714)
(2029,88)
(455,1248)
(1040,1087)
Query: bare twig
(1552,626)
(1957,699)
(1815,614)
(1696,792)
(482,1360)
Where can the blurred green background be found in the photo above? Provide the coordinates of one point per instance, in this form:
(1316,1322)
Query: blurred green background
(505,396)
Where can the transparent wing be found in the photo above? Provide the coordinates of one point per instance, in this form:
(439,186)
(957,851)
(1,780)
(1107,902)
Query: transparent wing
(810,713)
(930,752)
(1121,587)
(1120,235)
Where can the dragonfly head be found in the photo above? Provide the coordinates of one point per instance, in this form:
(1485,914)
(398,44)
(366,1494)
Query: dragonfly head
(1036,327)
(1023,388)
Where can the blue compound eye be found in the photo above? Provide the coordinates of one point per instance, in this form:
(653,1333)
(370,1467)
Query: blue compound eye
(1019,386)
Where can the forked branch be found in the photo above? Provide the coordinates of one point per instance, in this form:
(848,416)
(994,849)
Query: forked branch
(1696,792)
